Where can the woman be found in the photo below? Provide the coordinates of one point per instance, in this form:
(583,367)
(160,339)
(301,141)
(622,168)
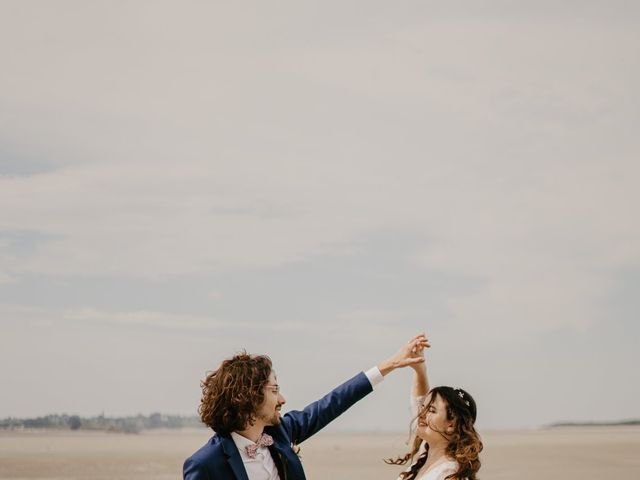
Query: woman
(446,443)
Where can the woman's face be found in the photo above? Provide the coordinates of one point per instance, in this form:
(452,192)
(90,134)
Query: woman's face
(433,422)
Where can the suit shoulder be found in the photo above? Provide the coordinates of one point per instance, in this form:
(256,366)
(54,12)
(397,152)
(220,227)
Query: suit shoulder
(210,462)
(207,454)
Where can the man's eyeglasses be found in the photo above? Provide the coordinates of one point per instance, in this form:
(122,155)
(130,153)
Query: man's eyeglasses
(274,388)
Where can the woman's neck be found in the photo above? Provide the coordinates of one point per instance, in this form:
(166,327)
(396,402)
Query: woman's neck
(437,454)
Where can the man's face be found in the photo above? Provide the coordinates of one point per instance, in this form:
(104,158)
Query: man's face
(269,411)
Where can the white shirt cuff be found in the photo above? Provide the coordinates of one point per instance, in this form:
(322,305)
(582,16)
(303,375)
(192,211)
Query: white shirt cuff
(374,376)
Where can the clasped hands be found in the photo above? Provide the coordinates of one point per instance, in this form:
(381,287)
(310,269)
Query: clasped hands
(410,354)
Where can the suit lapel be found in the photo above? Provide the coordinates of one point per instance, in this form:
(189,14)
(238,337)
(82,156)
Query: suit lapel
(280,459)
(233,457)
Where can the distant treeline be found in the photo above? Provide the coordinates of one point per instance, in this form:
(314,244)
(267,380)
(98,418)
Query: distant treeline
(597,424)
(131,424)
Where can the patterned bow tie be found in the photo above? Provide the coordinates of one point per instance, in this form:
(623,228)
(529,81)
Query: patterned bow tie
(264,441)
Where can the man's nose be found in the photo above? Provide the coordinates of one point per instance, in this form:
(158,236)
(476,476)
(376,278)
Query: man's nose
(281,399)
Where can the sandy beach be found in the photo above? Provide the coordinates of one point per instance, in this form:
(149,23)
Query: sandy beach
(562,453)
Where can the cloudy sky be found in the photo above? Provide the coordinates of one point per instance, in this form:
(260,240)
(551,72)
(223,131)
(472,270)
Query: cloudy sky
(320,181)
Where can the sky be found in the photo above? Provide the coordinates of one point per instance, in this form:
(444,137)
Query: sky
(319,182)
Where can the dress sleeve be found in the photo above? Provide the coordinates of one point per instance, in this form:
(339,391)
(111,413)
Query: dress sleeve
(416,404)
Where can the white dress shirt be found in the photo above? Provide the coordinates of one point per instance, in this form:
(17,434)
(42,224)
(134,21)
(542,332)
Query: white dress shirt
(262,467)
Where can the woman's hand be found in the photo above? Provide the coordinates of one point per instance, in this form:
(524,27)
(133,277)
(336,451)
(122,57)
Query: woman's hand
(418,351)
(410,354)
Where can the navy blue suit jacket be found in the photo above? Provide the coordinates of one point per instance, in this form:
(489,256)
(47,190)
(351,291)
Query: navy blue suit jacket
(219,458)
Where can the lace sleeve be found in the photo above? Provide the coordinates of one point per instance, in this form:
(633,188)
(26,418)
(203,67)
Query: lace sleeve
(416,404)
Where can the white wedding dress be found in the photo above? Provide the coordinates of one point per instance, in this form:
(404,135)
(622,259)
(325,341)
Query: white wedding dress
(440,471)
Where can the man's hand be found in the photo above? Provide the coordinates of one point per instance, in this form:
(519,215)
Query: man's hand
(411,354)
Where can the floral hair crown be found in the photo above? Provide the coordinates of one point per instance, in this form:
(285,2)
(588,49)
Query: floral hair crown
(460,393)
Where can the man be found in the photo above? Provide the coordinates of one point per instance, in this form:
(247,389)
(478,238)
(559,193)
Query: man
(241,402)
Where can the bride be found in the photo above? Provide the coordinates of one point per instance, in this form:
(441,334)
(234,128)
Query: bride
(446,444)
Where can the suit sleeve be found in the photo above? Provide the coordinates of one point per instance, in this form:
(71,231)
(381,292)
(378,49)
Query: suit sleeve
(300,425)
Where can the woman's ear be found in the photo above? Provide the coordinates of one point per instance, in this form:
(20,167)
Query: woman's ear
(451,427)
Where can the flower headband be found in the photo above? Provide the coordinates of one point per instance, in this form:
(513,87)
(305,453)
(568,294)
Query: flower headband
(461,395)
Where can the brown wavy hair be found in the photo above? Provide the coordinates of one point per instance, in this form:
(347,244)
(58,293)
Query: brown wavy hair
(232,394)
(464,443)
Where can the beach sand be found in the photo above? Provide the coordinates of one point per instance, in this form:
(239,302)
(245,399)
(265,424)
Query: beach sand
(562,453)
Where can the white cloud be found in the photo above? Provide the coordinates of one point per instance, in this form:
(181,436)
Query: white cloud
(145,318)
(505,140)
(40,316)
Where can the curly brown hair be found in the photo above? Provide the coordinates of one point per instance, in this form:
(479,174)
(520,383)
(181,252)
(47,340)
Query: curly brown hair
(232,394)
(464,443)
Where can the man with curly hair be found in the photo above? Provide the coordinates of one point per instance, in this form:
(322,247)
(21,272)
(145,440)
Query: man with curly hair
(241,402)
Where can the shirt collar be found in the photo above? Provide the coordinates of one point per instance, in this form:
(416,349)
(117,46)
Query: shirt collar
(242,442)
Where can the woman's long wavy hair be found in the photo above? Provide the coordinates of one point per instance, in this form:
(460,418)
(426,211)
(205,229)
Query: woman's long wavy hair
(232,395)
(464,443)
